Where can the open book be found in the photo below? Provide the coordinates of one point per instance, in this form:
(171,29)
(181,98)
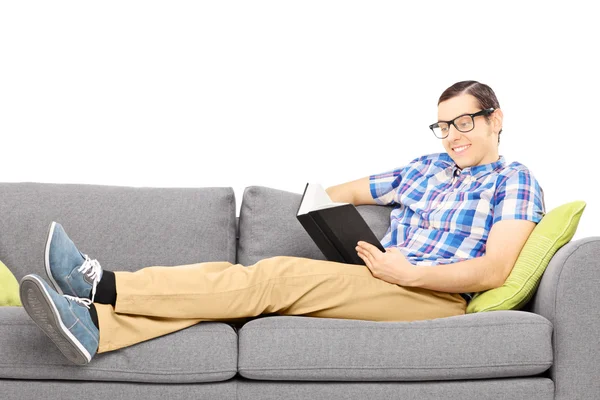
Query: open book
(335,228)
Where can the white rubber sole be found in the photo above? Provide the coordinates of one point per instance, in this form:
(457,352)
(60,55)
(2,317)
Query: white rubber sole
(39,305)
(47,259)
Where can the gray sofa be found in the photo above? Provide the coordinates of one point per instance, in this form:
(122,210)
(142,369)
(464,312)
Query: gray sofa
(549,350)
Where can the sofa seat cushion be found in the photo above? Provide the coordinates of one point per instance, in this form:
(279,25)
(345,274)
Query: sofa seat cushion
(205,352)
(538,388)
(471,346)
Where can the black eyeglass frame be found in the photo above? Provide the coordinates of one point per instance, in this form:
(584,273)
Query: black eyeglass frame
(487,111)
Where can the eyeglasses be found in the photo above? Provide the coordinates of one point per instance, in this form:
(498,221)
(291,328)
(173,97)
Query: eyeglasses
(463,123)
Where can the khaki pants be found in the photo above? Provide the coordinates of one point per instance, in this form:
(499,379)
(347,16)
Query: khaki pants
(155,301)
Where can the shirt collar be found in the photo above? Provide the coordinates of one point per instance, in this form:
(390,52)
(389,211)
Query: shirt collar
(477,170)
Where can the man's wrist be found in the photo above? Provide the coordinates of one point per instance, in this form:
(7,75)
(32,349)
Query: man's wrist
(413,278)
(416,276)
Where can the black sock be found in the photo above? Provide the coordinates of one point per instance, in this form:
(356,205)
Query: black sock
(94,315)
(106,291)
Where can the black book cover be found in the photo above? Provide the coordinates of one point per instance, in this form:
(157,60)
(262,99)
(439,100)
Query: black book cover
(334,227)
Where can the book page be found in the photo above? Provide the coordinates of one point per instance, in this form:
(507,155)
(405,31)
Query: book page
(316,198)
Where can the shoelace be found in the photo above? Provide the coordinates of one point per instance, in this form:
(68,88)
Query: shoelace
(93,269)
(84,302)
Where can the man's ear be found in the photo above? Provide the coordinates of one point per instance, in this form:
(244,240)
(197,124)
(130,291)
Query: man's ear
(497,118)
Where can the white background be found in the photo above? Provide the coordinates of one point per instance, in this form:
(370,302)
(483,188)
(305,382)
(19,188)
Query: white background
(280,93)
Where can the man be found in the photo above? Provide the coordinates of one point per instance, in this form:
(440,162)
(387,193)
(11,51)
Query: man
(461,220)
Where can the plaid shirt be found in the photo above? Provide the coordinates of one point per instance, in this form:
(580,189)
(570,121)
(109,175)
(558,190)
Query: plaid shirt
(443,215)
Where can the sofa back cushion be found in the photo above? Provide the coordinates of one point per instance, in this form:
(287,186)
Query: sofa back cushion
(268,226)
(124,228)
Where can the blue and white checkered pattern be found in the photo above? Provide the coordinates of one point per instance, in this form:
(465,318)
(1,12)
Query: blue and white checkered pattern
(443,215)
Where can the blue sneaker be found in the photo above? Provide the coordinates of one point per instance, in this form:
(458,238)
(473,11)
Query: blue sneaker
(70,271)
(65,319)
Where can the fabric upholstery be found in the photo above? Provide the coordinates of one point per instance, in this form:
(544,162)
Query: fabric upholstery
(568,297)
(538,388)
(65,390)
(124,228)
(205,352)
(475,346)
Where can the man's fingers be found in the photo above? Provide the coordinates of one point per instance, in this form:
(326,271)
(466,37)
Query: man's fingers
(368,262)
(366,245)
(373,251)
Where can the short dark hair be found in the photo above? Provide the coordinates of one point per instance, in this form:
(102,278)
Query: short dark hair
(483,93)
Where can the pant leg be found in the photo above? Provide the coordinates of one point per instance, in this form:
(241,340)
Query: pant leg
(165,299)
(122,330)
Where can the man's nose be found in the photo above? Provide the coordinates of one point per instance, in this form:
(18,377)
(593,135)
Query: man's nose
(453,133)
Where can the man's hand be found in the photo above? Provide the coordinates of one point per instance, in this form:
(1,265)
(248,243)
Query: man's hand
(390,266)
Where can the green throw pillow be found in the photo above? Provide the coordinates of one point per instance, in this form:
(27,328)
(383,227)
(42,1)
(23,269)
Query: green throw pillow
(554,230)
(9,288)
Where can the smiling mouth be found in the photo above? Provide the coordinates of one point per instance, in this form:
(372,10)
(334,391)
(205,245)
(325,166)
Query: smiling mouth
(460,150)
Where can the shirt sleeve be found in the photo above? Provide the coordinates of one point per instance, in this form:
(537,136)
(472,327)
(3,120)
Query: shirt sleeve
(384,186)
(519,196)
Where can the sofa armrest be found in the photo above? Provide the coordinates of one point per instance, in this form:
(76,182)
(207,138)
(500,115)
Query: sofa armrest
(569,296)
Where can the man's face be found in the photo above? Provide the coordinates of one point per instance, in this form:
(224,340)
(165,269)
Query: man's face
(482,140)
